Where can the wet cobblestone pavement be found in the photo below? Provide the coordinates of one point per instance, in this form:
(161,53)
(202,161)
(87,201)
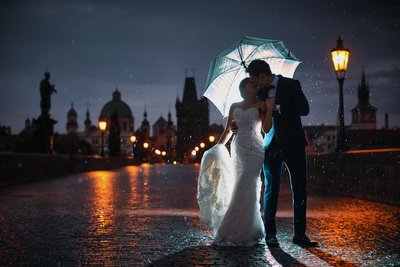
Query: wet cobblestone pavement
(148,215)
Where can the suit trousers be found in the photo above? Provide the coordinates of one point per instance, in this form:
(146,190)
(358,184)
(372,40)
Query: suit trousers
(295,161)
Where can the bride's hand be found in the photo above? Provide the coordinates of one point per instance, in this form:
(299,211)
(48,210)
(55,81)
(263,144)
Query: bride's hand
(270,103)
(234,127)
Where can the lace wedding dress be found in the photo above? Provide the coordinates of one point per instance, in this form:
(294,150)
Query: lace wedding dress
(229,187)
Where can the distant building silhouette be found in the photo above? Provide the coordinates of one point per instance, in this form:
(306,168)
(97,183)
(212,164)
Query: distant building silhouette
(125,121)
(165,136)
(192,119)
(6,139)
(143,132)
(158,126)
(143,136)
(363,114)
(361,134)
(72,120)
(88,121)
(92,134)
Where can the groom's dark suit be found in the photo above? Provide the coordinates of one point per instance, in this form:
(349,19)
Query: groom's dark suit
(285,143)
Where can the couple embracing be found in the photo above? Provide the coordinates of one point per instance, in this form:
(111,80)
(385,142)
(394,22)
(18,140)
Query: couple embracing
(229,186)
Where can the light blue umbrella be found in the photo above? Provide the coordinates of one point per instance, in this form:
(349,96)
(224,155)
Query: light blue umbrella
(228,68)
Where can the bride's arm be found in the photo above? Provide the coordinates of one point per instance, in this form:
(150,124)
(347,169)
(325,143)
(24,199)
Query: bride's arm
(227,134)
(267,120)
(261,110)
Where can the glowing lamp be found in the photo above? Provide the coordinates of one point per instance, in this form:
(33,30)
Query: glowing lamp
(102,125)
(340,58)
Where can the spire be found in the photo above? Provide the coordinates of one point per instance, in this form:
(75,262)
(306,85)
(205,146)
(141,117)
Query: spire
(87,111)
(169,123)
(88,122)
(116,95)
(145,112)
(363,90)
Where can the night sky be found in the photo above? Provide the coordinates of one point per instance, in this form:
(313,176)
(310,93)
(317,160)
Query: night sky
(143,48)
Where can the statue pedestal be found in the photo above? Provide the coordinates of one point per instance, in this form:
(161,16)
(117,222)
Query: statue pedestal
(44,134)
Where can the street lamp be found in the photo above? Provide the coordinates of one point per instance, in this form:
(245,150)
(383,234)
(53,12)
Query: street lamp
(133,141)
(340,58)
(102,127)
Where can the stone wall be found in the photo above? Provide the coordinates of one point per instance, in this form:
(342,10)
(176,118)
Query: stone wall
(18,167)
(369,175)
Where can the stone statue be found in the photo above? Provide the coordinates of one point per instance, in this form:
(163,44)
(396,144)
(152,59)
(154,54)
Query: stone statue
(46,90)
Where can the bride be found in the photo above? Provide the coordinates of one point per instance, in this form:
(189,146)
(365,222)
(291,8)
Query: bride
(229,185)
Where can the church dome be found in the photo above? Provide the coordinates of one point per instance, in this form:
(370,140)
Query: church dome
(116,104)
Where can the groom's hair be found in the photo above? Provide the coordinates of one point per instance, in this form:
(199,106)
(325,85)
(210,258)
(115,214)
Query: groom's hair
(256,67)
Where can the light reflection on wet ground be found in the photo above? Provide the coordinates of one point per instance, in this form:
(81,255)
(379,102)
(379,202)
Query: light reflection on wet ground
(149,214)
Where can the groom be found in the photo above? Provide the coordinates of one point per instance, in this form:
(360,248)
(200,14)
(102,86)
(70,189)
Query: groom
(284,144)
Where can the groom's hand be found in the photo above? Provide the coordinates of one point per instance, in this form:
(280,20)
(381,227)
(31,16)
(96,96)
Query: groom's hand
(234,128)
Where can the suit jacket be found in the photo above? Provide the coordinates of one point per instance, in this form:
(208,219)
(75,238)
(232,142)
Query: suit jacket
(288,130)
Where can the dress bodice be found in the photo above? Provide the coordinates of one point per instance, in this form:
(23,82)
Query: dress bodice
(247,119)
(248,137)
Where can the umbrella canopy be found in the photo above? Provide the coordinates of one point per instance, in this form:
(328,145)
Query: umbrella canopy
(228,68)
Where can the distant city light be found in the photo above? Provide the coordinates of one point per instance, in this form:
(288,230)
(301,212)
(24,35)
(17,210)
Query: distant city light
(211,138)
(145,145)
(194,152)
(202,145)
(197,148)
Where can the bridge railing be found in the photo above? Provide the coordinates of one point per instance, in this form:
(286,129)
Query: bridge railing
(369,174)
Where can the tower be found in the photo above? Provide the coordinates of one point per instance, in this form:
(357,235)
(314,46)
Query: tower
(144,130)
(72,120)
(88,122)
(363,114)
(192,119)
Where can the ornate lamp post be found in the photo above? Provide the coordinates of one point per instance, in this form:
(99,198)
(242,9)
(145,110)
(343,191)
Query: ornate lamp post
(340,58)
(102,127)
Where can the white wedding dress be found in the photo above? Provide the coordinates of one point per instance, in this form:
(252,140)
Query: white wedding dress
(229,187)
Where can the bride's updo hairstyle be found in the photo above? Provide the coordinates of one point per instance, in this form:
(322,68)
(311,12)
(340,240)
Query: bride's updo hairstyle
(242,85)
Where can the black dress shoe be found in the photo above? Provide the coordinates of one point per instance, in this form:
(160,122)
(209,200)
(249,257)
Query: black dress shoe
(271,241)
(304,241)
